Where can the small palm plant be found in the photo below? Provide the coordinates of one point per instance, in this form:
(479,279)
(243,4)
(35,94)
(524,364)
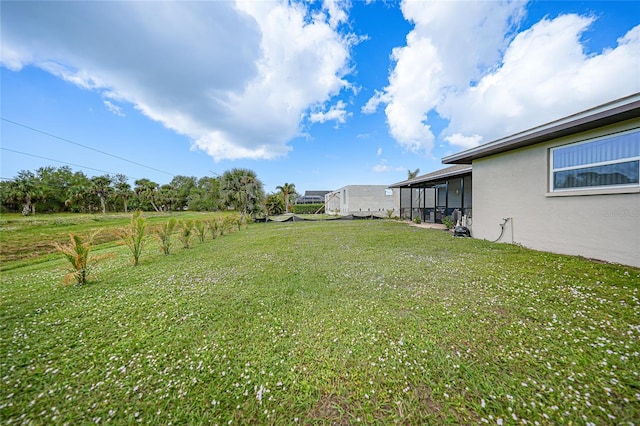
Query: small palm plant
(241,220)
(164,234)
(213,225)
(229,223)
(201,230)
(77,252)
(186,232)
(222,225)
(134,236)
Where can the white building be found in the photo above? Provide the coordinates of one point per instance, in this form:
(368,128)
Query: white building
(362,200)
(571,186)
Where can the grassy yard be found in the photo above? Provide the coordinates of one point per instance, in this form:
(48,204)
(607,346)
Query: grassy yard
(27,239)
(319,323)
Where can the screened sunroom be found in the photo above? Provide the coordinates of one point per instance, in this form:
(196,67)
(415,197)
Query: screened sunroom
(430,197)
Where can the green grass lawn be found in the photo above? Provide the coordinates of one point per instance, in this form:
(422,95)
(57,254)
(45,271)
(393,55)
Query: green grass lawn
(27,239)
(319,323)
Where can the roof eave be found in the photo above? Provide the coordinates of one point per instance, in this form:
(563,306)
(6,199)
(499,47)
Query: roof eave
(416,181)
(610,113)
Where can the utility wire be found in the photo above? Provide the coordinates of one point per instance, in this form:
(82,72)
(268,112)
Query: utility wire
(58,161)
(83,146)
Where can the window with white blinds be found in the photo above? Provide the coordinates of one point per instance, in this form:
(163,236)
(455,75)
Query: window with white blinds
(610,161)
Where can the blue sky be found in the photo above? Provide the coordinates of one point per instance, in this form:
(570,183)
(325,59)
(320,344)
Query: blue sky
(321,94)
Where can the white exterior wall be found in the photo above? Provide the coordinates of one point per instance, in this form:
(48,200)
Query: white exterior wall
(601,224)
(353,199)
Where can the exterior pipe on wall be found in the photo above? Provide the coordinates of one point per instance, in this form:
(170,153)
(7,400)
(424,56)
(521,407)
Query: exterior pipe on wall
(502,225)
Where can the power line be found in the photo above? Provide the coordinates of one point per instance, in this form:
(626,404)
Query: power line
(83,146)
(61,162)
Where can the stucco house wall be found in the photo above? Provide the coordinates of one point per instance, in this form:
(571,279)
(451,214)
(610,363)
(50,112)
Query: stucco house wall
(602,224)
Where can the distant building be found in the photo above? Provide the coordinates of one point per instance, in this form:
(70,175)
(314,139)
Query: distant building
(362,199)
(312,197)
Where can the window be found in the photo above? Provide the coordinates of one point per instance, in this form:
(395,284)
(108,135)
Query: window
(610,161)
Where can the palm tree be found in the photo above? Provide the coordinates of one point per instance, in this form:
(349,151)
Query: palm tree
(242,190)
(287,190)
(167,196)
(123,189)
(101,186)
(412,174)
(26,189)
(78,191)
(146,189)
(274,204)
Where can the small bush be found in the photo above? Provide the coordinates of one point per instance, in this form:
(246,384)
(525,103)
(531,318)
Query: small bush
(228,223)
(134,236)
(307,208)
(448,222)
(186,232)
(77,252)
(221,225)
(212,226)
(242,221)
(201,230)
(164,233)
(417,220)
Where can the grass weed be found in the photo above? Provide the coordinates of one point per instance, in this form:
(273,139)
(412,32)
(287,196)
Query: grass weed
(339,322)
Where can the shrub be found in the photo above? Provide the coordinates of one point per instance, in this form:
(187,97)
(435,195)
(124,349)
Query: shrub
(221,225)
(201,230)
(134,236)
(212,225)
(228,223)
(164,233)
(242,220)
(186,232)
(77,252)
(417,220)
(448,222)
(307,208)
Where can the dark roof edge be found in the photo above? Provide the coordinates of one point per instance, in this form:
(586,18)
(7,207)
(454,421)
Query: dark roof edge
(599,116)
(431,177)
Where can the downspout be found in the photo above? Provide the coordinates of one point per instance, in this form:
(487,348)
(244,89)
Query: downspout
(462,196)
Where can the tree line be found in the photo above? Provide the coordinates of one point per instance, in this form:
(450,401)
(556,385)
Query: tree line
(60,189)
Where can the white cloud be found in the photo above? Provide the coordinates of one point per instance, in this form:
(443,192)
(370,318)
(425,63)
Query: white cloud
(114,108)
(432,61)
(383,167)
(237,78)
(337,112)
(337,11)
(463,141)
(379,152)
(545,75)
(466,62)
